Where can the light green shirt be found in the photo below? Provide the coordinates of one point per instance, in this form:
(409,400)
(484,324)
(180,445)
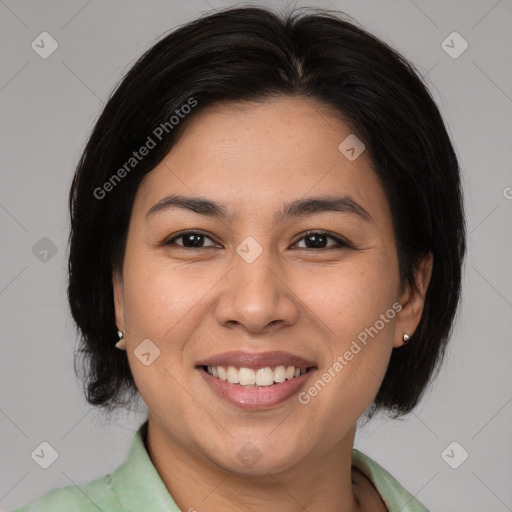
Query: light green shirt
(136,486)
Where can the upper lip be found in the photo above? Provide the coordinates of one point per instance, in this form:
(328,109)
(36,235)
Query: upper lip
(243,359)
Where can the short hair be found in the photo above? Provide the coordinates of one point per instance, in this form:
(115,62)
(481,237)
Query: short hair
(254,54)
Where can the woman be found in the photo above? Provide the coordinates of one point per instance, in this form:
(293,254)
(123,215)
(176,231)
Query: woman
(269,215)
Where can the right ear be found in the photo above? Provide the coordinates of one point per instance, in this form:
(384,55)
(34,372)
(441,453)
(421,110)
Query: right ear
(118,290)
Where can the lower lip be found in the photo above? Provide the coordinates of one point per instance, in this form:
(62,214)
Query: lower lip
(258,397)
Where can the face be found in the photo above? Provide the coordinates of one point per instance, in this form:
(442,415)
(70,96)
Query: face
(268,280)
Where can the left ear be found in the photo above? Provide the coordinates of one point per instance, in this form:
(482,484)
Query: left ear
(413,301)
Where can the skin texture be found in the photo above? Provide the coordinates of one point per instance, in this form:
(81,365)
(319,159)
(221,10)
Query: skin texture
(312,302)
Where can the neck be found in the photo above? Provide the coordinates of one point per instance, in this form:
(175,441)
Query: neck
(321,483)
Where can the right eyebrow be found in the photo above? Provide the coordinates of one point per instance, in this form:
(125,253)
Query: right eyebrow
(199,205)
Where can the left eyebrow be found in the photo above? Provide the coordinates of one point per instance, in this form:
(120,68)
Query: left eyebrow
(312,205)
(296,208)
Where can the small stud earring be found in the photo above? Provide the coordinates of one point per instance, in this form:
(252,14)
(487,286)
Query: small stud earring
(121,344)
(405,338)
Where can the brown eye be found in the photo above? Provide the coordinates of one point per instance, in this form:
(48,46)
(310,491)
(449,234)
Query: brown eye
(312,240)
(319,240)
(190,240)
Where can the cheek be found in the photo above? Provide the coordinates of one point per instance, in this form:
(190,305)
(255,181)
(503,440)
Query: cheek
(351,296)
(356,308)
(162,304)
(158,295)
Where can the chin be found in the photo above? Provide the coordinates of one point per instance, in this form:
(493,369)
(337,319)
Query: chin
(256,457)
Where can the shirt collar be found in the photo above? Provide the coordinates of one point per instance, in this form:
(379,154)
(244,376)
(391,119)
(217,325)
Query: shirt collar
(392,493)
(137,483)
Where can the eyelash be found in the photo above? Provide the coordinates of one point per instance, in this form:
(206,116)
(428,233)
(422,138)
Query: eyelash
(340,243)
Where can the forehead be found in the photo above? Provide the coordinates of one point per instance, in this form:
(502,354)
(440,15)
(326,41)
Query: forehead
(252,155)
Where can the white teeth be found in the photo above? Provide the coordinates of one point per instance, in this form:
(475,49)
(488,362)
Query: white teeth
(247,376)
(233,375)
(280,374)
(262,377)
(223,374)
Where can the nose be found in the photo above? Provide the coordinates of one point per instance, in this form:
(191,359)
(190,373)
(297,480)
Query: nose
(257,296)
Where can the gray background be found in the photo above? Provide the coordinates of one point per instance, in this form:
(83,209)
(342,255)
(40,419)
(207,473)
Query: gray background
(48,107)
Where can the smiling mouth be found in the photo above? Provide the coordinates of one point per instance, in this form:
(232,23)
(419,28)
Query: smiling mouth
(255,378)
